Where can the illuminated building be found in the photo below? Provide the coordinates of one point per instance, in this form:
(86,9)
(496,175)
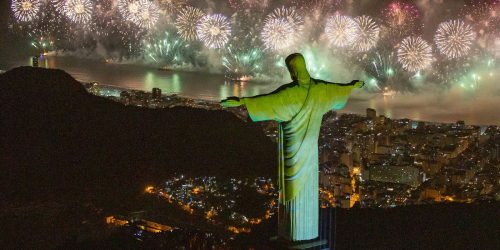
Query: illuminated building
(371,113)
(459,125)
(156,93)
(94,88)
(34,61)
(420,125)
(394,174)
(125,97)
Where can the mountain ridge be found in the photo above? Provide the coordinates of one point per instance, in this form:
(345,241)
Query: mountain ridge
(61,139)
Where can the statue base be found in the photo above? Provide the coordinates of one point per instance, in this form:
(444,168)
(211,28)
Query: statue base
(280,243)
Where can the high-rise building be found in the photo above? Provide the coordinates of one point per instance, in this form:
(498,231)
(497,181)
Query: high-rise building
(34,61)
(495,152)
(125,97)
(394,174)
(420,125)
(156,93)
(414,124)
(460,125)
(371,113)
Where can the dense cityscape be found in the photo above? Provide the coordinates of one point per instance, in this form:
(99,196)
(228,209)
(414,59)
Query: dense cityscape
(366,161)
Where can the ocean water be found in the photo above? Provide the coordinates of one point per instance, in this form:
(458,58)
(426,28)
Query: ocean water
(478,107)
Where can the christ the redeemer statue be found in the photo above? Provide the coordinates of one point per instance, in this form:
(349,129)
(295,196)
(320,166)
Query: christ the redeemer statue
(298,107)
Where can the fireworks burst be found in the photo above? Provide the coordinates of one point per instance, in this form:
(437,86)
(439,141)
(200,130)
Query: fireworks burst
(276,34)
(213,30)
(314,5)
(340,30)
(43,44)
(402,19)
(128,9)
(148,14)
(282,29)
(248,4)
(454,38)
(253,37)
(242,62)
(290,15)
(367,33)
(58,5)
(78,11)
(25,10)
(484,16)
(167,49)
(186,22)
(172,6)
(414,54)
(143,13)
(382,69)
(247,26)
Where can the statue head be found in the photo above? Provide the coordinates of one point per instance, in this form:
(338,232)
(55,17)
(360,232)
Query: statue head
(296,65)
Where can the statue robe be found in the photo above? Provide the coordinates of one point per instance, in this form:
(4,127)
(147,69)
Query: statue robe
(299,109)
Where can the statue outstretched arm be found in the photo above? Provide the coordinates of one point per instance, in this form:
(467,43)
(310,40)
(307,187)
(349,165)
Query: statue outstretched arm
(265,107)
(338,93)
(352,84)
(231,102)
(234,101)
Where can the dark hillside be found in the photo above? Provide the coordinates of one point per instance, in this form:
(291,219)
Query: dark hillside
(57,141)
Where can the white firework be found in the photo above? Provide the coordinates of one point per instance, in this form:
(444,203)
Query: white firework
(213,30)
(25,10)
(340,30)
(78,11)
(58,4)
(367,33)
(282,29)
(186,22)
(148,14)
(128,9)
(171,6)
(290,15)
(454,38)
(143,13)
(276,34)
(414,54)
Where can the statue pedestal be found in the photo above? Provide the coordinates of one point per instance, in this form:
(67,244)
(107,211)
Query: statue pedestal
(280,243)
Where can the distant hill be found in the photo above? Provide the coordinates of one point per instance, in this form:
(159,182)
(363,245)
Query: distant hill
(57,141)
